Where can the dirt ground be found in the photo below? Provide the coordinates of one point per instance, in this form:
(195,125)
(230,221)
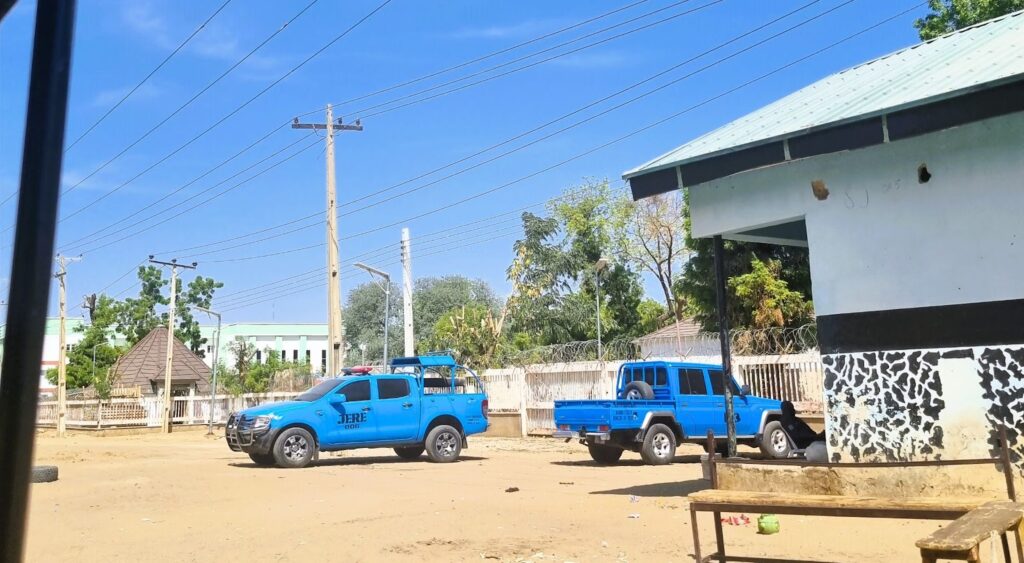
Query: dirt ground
(186,497)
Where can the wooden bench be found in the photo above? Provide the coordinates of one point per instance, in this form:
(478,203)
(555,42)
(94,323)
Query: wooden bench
(961,539)
(717,501)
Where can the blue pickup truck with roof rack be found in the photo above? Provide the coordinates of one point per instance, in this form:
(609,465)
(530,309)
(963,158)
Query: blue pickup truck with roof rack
(421,403)
(662,404)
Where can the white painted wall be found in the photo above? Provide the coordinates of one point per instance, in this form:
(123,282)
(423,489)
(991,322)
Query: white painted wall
(882,240)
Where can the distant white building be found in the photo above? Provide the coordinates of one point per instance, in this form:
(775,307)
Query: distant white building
(51,346)
(680,339)
(294,342)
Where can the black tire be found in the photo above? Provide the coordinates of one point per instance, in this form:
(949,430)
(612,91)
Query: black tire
(294,448)
(636,390)
(443,444)
(659,446)
(44,473)
(605,455)
(265,460)
(775,442)
(409,452)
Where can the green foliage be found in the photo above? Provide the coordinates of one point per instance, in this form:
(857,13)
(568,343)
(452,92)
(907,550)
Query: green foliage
(472,332)
(364,322)
(81,371)
(198,293)
(249,376)
(767,299)
(951,15)
(696,287)
(435,297)
(652,315)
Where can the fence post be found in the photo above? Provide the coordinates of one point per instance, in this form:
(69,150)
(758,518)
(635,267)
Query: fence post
(99,413)
(522,402)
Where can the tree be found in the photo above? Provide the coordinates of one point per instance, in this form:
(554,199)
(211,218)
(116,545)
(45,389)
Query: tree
(951,15)
(137,317)
(768,299)
(199,293)
(81,370)
(435,297)
(364,322)
(472,332)
(697,284)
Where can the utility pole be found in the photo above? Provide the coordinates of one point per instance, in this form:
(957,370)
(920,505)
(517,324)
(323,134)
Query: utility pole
(170,335)
(216,358)
(335,329)
(410,344)
(62,368)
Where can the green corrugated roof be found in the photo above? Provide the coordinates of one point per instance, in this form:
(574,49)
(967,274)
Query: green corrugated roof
(979,56)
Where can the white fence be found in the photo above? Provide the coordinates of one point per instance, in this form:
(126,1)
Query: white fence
(528,390)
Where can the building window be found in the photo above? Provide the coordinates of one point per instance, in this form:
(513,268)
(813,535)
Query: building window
(259,357)
(307,356)
(295,356)
(323,361)
(209,349)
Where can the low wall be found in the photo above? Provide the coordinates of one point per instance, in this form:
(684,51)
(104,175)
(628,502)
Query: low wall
(985,481)
(505,425)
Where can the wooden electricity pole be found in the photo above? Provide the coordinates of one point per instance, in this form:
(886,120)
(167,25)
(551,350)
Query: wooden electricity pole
(169,363)
(62,368)
(410,345)
(335,328)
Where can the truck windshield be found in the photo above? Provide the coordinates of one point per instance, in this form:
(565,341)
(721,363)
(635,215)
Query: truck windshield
(318,390)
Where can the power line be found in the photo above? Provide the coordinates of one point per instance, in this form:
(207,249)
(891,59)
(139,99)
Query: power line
(237,109)
(362,113)
(183,106)
(148,76)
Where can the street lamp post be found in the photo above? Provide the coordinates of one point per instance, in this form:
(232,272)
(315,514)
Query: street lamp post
(601,264)
(386,286)
(216,353)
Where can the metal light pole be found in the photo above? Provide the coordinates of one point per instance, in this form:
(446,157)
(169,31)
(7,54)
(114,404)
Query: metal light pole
(386,286)
(601,264)
(216,354)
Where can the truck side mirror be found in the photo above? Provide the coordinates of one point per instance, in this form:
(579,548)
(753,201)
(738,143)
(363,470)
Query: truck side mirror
(338,398)
(745,390)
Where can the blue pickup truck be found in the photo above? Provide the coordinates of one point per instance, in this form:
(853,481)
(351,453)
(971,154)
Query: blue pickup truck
(663,404)
(421,403)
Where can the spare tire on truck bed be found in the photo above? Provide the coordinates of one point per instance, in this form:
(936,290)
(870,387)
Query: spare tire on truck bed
(635,390)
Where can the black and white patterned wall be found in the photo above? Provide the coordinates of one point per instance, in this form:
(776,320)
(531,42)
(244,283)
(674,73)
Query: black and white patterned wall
(924,404)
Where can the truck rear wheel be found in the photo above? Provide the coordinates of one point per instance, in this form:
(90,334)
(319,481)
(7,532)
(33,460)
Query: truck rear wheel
(294,448)
(605,455)
(409,452)
(443,444)
(659,445)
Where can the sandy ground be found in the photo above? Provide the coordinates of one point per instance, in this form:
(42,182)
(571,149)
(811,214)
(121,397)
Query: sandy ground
(186,497)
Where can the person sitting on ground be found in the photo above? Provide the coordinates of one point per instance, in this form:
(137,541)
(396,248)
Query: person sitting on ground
(799,432)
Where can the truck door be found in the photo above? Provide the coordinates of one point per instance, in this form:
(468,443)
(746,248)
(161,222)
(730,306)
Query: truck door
(697,410)
(742,412)
(397,409)
(354,418)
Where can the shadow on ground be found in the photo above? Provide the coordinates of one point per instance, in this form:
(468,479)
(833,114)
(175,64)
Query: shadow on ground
(674,489)
(335,461)
(630,462)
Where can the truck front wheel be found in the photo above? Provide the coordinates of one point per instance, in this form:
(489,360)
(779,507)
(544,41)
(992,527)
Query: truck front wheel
(265,460)
(605,455)
(659,445)
(444,444)
(294,448)
(775,441)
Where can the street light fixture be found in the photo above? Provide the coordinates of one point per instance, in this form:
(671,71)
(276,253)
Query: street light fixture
(601,264)
(385,285)
(216,353)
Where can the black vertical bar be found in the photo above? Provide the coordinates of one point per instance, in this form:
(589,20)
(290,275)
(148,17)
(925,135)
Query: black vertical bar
(31,268)
(1008,467)
(723,336)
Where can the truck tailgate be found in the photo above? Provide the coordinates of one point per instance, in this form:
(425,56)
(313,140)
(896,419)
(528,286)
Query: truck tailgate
(612,413)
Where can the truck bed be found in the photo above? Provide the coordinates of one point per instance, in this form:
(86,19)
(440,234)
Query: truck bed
(616,414)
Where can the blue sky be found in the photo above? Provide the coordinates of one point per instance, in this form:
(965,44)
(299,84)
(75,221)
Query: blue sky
(119,41)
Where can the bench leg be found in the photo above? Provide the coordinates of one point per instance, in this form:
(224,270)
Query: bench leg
(1006,548)
(719,537)
(696,535)
(1020,542)
(927,557)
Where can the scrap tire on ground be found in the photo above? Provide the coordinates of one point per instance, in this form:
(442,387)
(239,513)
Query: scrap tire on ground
(266,460)
(636,390)
(659,445)
(775,442)
(443,444)
(410,452)
(294,448)
(44,473)
(604,455)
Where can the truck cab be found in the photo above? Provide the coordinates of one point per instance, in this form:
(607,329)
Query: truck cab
(662,404)
(420,403)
